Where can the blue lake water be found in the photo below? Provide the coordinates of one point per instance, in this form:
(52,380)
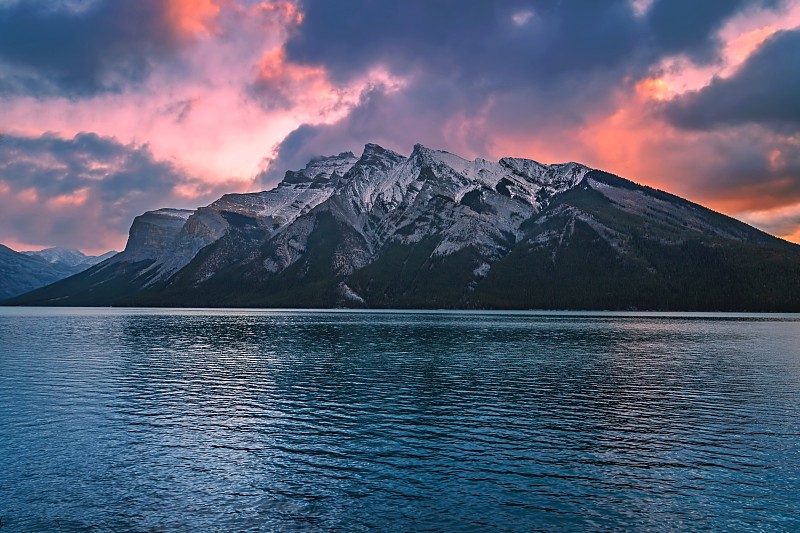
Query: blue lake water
(238,420)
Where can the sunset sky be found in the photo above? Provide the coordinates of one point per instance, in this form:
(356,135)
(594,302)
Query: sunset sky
(109,108)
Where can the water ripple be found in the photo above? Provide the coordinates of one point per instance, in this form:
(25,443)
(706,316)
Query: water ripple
(143,420)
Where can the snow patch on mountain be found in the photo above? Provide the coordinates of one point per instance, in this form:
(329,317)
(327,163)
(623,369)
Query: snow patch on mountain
(69,257)
(299,192)
(383,197)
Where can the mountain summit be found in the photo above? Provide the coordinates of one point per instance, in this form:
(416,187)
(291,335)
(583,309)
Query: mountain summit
(434,230)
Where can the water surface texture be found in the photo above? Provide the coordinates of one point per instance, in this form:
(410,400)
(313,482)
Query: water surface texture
(151,420)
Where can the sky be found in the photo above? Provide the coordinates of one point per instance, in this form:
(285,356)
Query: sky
(110,108)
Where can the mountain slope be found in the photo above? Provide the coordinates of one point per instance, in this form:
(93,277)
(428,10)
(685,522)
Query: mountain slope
(436,230)
(611,244)
(20,273)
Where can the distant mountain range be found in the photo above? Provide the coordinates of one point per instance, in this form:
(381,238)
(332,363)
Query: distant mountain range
(21,272)
(433,230)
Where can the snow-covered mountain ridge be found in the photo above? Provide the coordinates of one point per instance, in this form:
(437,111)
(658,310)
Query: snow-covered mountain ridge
(69,257)
(432,229)
(380,185)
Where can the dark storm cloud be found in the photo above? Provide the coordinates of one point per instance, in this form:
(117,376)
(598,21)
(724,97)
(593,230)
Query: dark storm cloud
(54,165)
(469,68)
(84,191)
(395,120)
(689,26)
(293,152)
(756,160)
(508,42)
(53,48)
(744,169)
(485,44)
(765,90)
(522,68)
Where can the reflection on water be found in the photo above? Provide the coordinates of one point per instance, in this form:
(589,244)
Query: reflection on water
(237,420)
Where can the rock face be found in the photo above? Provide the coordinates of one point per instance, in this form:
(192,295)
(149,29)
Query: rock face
(435,230)
(153,235)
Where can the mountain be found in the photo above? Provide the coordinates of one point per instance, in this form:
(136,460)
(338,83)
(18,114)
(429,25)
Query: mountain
(21,272)
(69,257)
(434,230)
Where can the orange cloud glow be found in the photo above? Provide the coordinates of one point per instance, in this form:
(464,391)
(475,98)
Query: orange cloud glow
(792,237)
(191,18)
(75,199)
(654,88)
(276,72)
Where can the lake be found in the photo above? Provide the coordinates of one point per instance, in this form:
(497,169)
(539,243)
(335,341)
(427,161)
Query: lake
(244,420)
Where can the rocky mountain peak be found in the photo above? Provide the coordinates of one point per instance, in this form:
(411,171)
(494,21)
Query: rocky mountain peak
(424,154)
(377,158)
(374,151)
(320,170)
(372,148)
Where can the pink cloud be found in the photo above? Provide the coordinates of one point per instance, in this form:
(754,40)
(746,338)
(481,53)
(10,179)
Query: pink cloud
(84,191)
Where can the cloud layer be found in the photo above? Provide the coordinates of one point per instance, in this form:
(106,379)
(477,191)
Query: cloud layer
(83,48)
(764,91)
(83,192)
(699,98)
